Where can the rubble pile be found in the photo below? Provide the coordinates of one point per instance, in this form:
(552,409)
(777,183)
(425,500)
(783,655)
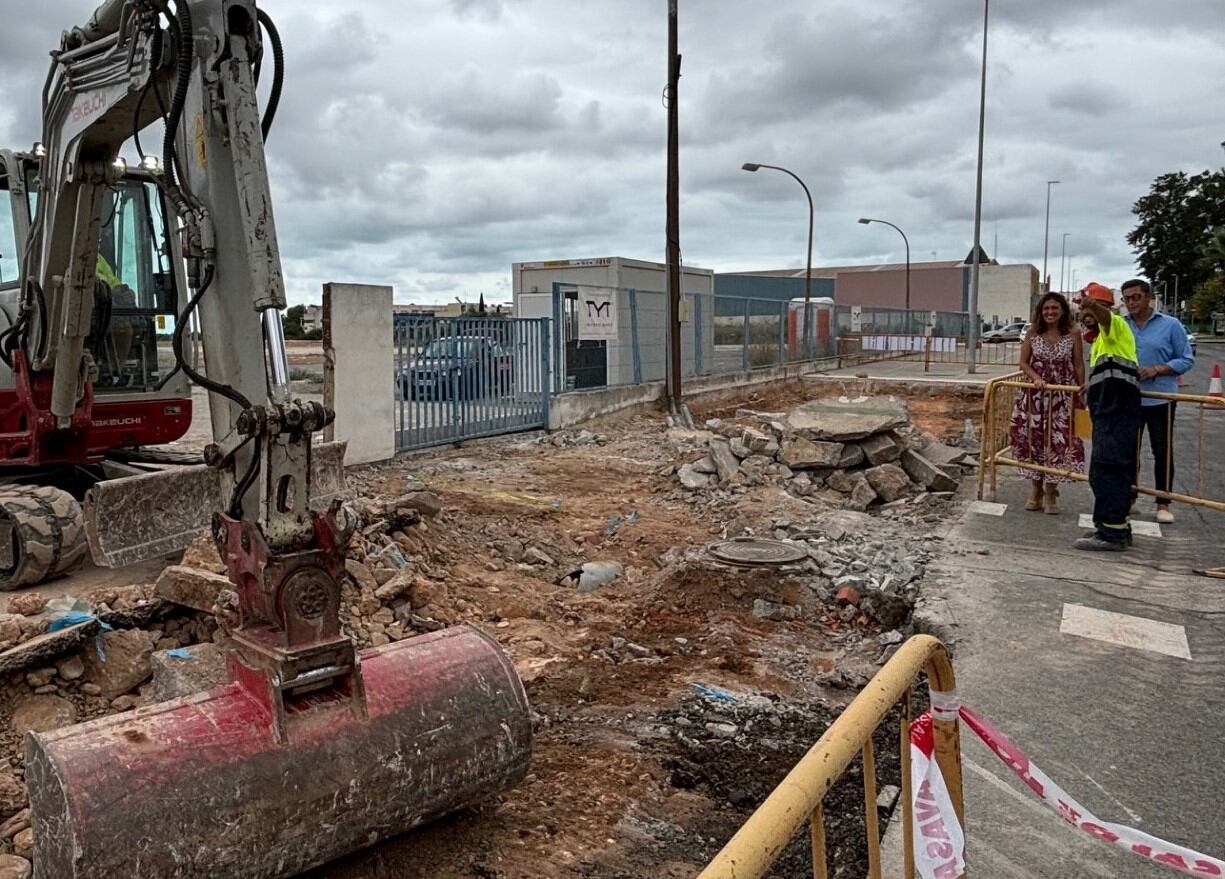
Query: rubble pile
(856,454)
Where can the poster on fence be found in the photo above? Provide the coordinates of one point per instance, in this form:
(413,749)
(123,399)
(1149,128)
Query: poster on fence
(597,313)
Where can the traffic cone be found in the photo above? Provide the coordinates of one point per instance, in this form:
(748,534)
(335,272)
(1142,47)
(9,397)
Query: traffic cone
(1214,384)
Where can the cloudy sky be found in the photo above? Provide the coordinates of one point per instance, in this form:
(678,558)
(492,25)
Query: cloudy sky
(430,143)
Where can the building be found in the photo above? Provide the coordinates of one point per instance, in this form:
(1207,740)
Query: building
(1005,292)
(312,318)
(610,307)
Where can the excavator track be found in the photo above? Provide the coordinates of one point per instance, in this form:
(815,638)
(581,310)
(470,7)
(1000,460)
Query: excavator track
(43,533)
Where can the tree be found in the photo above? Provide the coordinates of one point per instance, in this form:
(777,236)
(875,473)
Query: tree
(480,309)
(1213,253)
(293,322)
(1208,298)
(1175,222)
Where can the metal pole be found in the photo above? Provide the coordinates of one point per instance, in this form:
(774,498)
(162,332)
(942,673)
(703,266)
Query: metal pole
(1063,253)
(972,341)
(1046,237)
(753,166)
(673,231)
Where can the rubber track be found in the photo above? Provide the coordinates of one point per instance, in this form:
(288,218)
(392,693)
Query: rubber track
(50,532)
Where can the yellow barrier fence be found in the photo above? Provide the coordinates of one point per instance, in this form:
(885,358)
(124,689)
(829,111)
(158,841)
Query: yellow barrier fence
(798,798)
(1000,400)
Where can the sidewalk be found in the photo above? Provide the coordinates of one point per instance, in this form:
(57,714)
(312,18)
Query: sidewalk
(1127,715)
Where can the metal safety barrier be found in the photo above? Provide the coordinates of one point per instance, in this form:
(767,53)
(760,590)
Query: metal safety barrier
(1000,400)
(799,797)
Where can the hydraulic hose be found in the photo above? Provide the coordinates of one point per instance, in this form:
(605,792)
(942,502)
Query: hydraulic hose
(278,71)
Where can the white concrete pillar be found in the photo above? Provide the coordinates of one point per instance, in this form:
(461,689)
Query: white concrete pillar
(358,361)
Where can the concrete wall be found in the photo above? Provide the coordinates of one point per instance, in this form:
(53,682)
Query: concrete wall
(357,369)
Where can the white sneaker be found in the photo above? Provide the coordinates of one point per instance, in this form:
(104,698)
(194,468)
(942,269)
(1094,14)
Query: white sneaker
(1165,517)
(1134,511)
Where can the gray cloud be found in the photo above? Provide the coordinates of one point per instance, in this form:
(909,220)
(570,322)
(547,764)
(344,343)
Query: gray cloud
(431,149)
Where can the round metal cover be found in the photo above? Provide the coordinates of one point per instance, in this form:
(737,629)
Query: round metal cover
(755,551)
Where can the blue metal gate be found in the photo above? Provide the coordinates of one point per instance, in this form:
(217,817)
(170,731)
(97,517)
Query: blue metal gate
(459,378)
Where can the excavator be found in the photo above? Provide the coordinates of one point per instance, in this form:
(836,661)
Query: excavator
(313,749)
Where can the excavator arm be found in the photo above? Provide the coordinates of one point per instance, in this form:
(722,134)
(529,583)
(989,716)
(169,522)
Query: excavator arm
(312,750)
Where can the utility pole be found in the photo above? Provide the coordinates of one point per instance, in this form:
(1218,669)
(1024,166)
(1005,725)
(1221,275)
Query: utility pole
(1046,237)
(972,341)
(673,230)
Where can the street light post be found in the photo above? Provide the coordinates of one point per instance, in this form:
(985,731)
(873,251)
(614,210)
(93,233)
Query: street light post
(1046,236)
(906,241)
(753,167)
(1063,253)
(972,341)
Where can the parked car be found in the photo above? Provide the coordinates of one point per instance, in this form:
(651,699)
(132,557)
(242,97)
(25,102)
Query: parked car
(1190,338)
(457,367)
(1011,333)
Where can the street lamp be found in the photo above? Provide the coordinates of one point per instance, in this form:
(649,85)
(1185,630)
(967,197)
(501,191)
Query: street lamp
(1046,236)
(752,167)
(866,221)
(975,322)
(1063,252)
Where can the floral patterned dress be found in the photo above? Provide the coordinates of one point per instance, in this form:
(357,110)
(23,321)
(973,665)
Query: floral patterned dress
(1032,441)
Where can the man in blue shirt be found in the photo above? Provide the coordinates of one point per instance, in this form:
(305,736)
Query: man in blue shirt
(1164,354)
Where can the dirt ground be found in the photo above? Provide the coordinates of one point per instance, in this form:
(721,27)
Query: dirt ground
(627,779)
(664,710)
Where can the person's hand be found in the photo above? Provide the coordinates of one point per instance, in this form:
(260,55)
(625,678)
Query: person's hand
(1148,372)
(1039,383)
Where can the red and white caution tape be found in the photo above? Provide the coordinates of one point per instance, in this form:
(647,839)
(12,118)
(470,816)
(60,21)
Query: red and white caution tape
(939,841)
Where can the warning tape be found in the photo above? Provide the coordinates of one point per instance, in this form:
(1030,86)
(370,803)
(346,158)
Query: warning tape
(939,849)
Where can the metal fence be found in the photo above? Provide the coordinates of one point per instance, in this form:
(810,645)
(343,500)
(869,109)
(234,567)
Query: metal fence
(467,377)
(614,336)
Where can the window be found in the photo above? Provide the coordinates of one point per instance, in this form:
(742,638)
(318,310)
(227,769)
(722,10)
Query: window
(8,239)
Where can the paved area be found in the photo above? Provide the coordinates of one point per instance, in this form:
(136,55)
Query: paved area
(912,370)
(1106,669)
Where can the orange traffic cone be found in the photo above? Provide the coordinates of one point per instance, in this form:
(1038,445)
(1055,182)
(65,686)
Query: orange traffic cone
(1214,384)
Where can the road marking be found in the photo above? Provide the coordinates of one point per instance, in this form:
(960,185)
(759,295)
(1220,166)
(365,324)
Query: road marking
(986,508)
(1144,529)
(1126,631)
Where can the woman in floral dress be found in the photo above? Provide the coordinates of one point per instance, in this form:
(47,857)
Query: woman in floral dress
(1051,354)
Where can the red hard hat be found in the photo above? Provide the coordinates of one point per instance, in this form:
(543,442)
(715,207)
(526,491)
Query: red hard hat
(1097,291)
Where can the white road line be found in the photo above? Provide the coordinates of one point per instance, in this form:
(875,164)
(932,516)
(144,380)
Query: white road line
(1126,631)
(1144,529)
(986,508)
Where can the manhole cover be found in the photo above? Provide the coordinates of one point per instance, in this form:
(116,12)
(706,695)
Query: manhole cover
(753,551)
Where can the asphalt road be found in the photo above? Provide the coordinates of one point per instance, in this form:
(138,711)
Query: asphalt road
(1122,719)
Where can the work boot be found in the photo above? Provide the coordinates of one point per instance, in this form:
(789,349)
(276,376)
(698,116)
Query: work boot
(1090,534)
(1050,503)
(1034,504)
(1097,544)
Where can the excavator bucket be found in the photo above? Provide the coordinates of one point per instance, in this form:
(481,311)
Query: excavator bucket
(135,518)
(217,784)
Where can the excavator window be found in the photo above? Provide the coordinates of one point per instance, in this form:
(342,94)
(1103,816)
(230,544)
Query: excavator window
(8,238)
(134,317)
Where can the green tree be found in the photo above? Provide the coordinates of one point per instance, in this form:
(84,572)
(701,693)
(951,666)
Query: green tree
(1213,253)
(293,322)
(1208,298)
(1175,222)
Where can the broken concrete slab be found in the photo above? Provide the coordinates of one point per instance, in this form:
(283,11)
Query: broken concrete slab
(771,610)
(940,454)
(881,448)
(852,456)
(119,661)
(42,714)
(889,481)
(43,649)
(726,463)
(925,473)
(705,466)
(185,671)
(862,496)
(191,587)
(800,453)
(836,421)
(691,478)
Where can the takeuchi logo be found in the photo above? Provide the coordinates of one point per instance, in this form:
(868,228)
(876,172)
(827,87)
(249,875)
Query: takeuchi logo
(89,106)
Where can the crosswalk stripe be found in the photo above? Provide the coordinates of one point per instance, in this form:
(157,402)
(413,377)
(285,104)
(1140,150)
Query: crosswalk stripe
(1138,633)
(1143,529)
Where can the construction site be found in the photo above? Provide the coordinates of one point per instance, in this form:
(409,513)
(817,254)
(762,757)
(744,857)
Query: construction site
(655,571)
